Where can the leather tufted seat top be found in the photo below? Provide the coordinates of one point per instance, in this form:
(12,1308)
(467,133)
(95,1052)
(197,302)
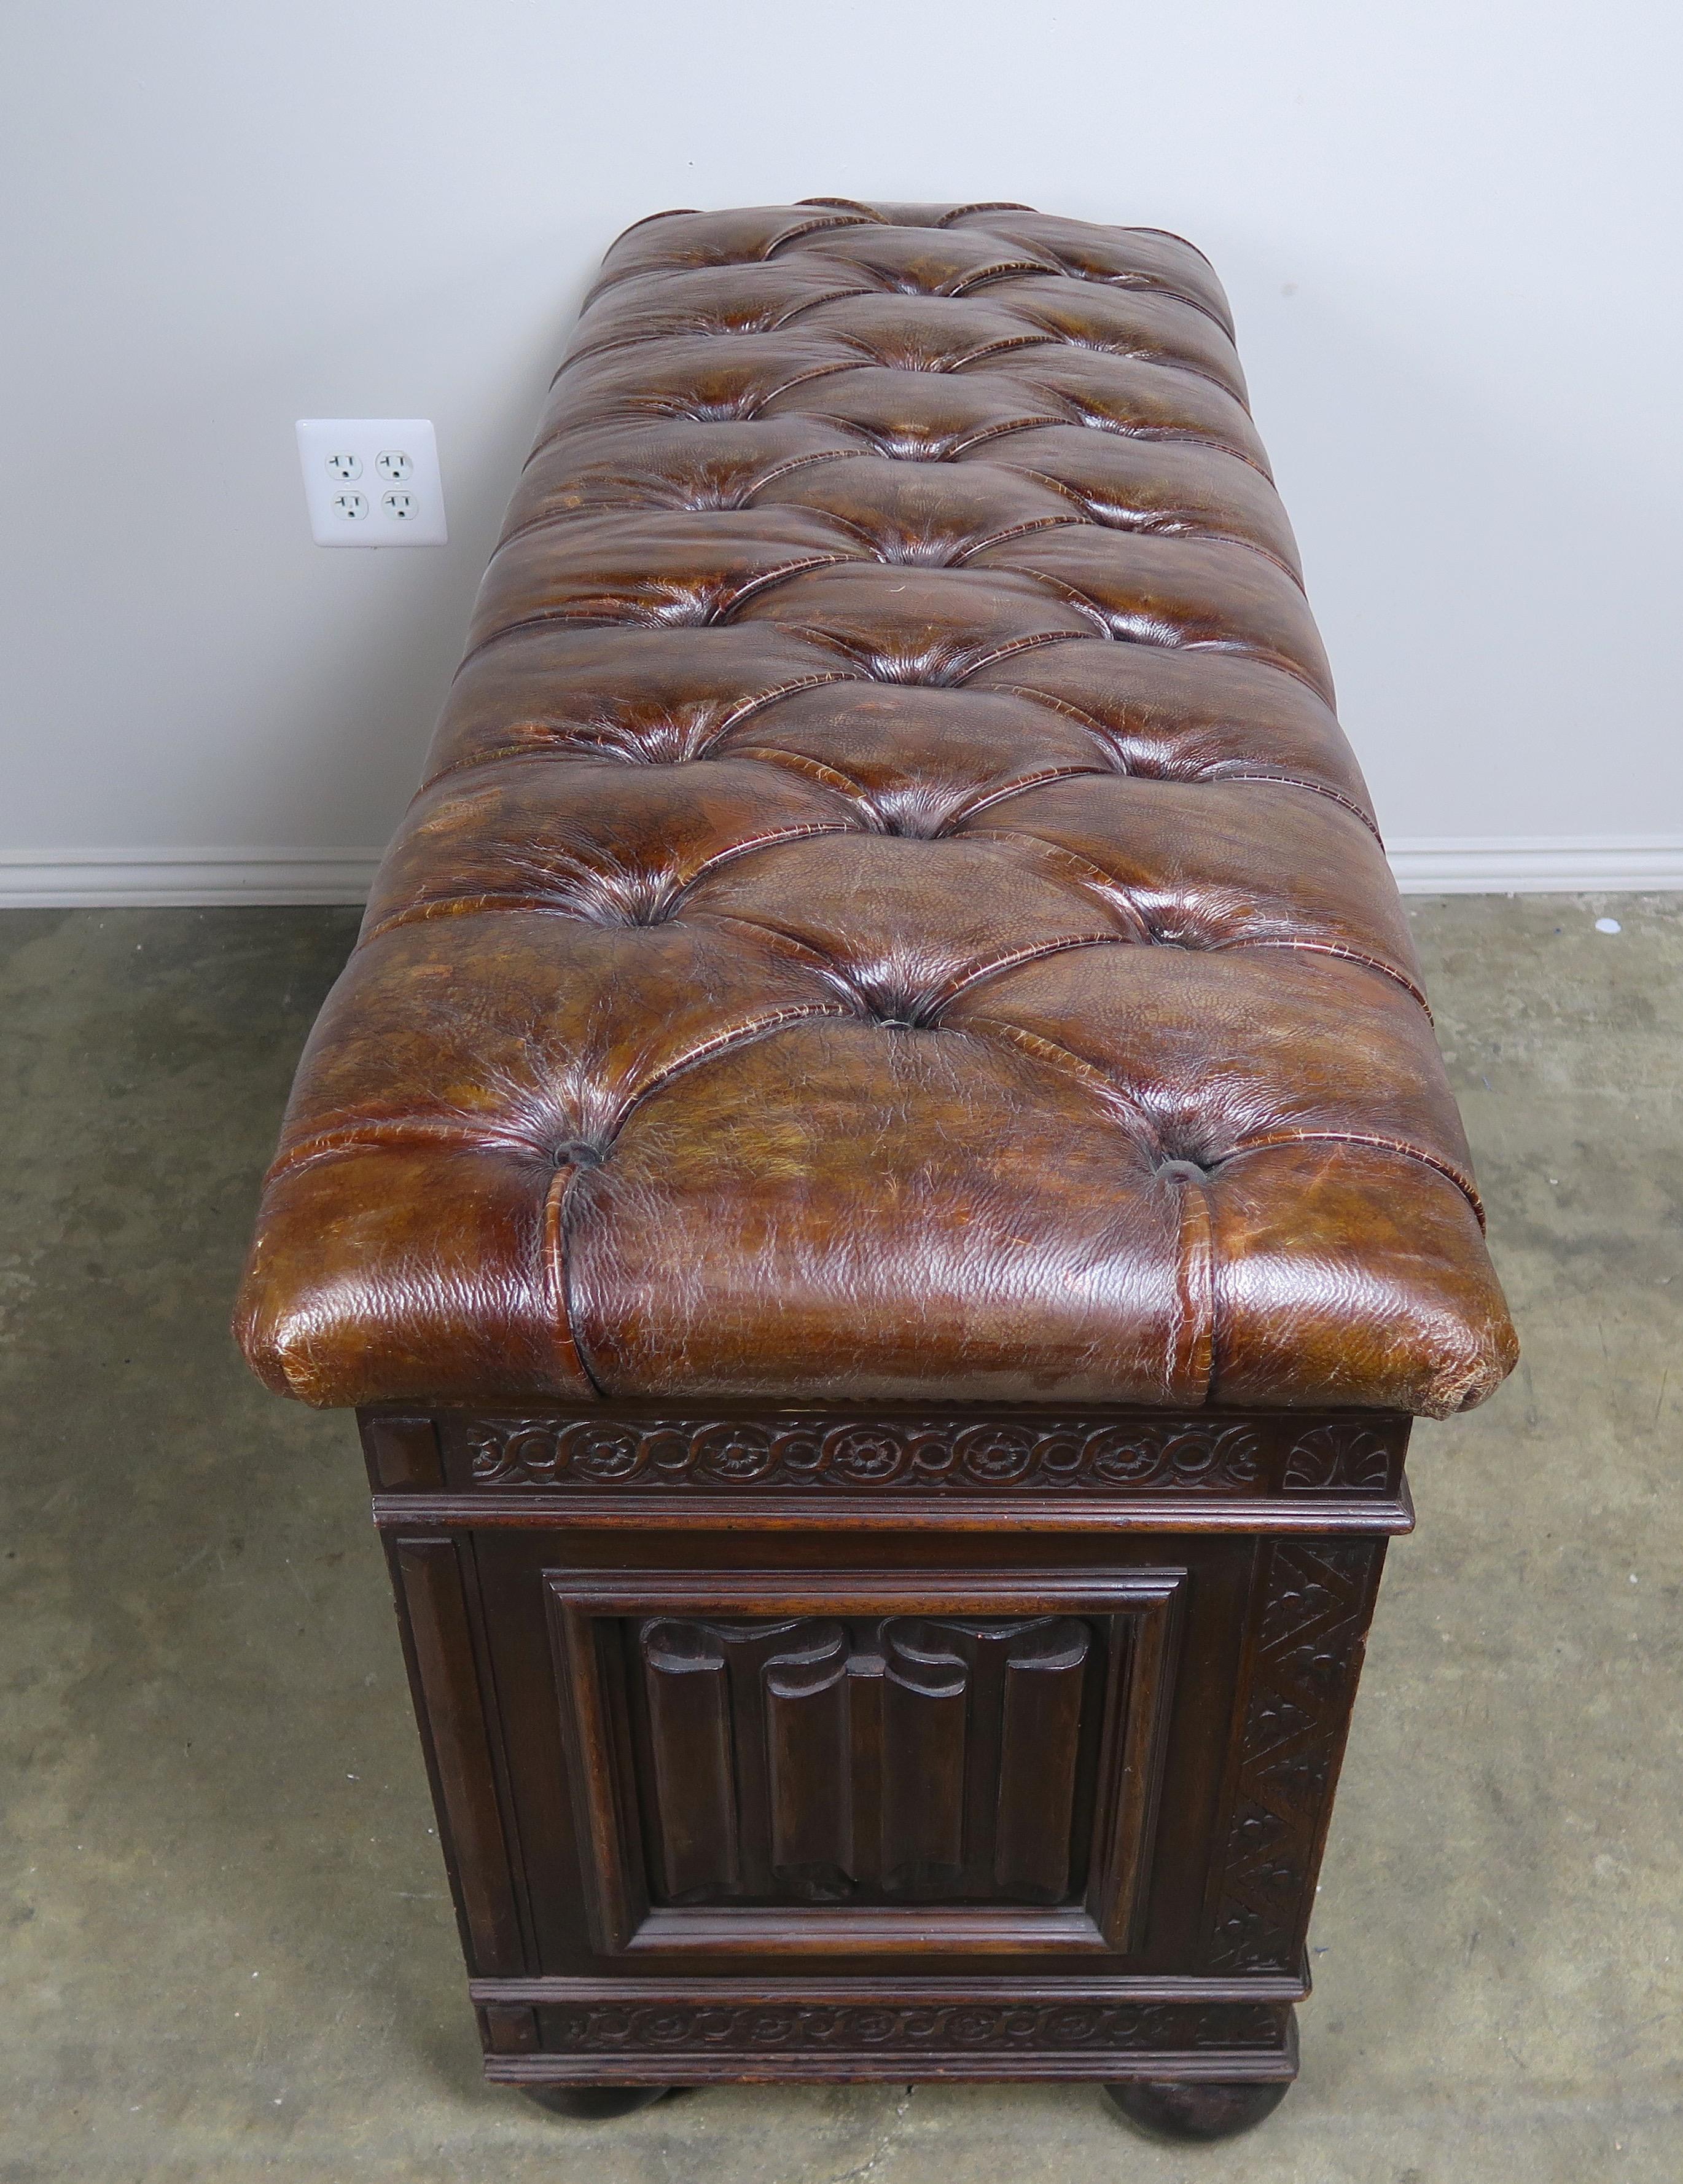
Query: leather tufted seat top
(891,912)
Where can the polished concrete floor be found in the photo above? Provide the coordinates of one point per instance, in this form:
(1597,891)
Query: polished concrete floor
(229,1953)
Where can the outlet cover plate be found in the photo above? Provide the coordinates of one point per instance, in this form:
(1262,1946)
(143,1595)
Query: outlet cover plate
(372,480)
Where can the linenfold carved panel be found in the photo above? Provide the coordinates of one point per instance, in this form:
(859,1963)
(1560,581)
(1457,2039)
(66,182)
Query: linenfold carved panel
(757,1756)
(868,1759)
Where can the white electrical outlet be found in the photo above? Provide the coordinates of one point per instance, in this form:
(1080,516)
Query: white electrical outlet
(372,480)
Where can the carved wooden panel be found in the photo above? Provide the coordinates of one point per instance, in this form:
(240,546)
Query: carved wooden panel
(870,1759)
(970,1762)
(1312,1606)
(893,1811)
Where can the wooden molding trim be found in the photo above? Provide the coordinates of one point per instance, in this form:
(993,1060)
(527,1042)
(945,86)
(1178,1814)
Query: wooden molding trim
(640,1464)
(636,2032)
(1392,1515)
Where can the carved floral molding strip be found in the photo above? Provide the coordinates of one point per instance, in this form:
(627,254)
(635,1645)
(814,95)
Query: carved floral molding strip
(1038,2027)
(933,1453)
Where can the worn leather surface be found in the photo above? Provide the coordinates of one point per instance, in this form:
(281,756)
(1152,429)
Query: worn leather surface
(891,912)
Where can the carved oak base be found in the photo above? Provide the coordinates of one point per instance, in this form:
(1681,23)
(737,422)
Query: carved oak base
(1196,2111)
(783,1746)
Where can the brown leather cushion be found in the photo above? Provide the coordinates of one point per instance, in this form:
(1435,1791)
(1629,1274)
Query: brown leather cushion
(892,912)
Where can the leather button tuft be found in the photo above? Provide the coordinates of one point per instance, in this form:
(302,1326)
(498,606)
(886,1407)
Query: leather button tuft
(632,904)
(900,1012)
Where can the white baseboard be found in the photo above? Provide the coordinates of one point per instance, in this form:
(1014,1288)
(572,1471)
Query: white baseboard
(154,879)
(1537,864)
(1445,864)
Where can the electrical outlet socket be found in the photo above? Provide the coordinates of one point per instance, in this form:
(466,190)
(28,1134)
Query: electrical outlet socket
(372,480)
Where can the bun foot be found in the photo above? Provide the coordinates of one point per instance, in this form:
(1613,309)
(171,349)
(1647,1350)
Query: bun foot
(1195,2110)
(594,2103)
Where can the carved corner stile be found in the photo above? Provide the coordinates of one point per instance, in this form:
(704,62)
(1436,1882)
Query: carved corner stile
(1312,1605)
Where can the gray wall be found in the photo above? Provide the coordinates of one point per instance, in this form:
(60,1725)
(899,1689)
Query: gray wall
(1448,233)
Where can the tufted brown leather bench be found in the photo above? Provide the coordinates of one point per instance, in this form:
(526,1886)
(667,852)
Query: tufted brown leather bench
(880,1177)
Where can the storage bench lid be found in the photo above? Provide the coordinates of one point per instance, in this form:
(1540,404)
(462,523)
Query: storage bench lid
(891,913)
